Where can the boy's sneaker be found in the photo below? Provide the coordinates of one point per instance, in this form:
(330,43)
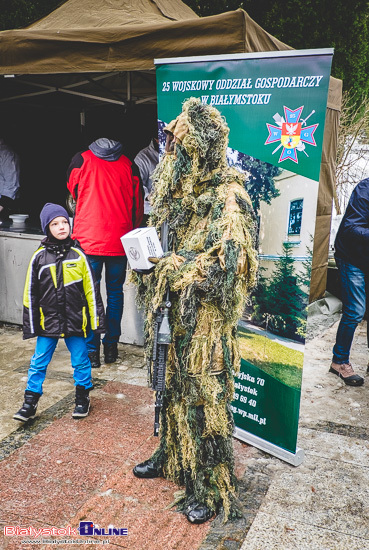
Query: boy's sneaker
(346,372)
(28,409)
(82,402)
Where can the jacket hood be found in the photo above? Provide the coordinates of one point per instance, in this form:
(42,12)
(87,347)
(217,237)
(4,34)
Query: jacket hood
(106,149)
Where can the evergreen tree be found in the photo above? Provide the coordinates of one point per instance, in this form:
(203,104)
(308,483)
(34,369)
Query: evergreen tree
(20,13)
(301,24)
(260,185)
(343,26)
(259,300)
(304,278)
(279,302)
(305,275)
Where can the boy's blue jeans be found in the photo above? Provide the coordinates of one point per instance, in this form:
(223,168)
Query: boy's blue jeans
(115,275)
(353,297)
(44,351)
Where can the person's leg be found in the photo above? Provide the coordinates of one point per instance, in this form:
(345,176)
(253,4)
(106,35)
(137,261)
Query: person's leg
(93,340)
(80,361)
(44,350)
(81,374)
(353,309)
(367,315)
(36,375)
(115,274)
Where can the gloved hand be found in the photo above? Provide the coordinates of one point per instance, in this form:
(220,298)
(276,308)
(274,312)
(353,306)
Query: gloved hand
(151,259)
(145,271)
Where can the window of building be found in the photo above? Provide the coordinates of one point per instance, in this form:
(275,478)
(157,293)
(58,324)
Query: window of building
(295,217)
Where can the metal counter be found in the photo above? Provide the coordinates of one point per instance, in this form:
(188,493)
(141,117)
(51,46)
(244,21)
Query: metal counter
(17,244)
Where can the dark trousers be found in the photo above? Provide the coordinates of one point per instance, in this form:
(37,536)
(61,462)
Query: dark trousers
(115,275)
(353,296)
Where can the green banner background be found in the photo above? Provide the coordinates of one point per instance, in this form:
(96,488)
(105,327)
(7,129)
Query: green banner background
(266,407)
(271,410)
(248,78)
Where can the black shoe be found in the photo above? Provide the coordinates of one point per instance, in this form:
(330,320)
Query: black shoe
(198,513)
(147,469)
(110,353)
(28,409)
(82,402)
(94,357)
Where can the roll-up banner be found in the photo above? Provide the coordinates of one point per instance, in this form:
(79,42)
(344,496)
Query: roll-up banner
(275,105)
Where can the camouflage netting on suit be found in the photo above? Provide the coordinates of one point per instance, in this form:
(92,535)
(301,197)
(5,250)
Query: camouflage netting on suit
(210,269)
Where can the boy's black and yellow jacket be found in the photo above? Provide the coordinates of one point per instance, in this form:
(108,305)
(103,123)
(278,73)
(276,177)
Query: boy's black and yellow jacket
(61,297)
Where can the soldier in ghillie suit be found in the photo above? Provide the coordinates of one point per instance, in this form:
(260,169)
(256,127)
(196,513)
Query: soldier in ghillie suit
(209,270)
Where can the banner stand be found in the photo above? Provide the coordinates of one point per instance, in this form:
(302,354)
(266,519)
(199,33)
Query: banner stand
(275,106)
(292,458)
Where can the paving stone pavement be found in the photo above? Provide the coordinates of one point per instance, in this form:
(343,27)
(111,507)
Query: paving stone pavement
(57,471)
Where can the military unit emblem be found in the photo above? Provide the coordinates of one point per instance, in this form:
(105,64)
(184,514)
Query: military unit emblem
(292,133)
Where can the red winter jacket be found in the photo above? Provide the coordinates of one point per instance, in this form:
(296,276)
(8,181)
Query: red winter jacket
(109,200)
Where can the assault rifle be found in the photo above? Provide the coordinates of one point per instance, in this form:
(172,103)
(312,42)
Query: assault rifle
(162,339)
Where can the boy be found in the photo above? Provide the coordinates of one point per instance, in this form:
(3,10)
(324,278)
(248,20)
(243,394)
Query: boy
(61,299)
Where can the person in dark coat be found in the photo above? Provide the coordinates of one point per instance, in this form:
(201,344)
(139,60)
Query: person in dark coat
(352,260)
(61,300)
(9,179)
(147,159)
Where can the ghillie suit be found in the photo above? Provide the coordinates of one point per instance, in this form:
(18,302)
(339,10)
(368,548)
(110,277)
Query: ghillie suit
(210,269)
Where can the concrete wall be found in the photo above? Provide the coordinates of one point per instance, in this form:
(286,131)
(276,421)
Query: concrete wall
(15,253)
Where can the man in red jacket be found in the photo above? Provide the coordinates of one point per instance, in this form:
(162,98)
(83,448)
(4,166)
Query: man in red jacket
(109,195)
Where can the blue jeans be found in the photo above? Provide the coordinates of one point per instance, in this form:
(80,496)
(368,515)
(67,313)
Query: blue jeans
(353,297)
(115,275)
(44,351)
